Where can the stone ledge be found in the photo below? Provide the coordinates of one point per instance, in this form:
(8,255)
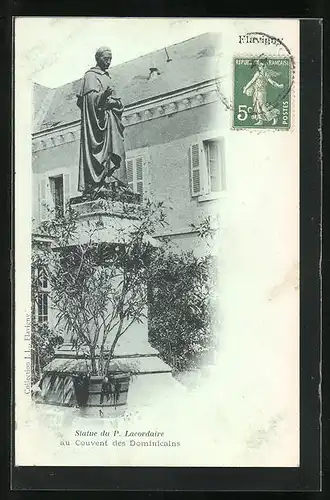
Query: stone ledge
(112,222)
(109,195)
(110,208)
(138,365)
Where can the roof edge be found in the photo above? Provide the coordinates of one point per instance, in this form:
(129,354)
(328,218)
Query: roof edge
(134,104)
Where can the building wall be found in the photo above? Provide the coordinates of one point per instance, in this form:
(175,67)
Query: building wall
(164,142)
(173,127)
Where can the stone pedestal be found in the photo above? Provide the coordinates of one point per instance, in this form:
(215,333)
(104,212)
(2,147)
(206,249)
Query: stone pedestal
(115,221)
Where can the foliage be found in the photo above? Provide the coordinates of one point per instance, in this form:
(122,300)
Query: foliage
(99,289)
(183,305)
(44,341)
(208,227)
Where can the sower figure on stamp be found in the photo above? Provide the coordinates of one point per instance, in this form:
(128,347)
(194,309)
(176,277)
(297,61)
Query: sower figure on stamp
(102,152)
(257,88)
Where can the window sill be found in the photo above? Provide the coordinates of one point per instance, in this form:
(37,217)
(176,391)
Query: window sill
(212,196)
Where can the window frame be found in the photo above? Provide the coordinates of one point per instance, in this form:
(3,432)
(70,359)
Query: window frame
(52,185)
(43,292)
(205,193)
(45,191)
(220,164)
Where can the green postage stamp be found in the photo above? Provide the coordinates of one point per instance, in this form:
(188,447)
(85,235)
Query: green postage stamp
(262,92)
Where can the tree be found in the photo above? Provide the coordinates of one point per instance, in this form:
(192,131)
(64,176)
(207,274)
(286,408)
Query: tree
(183,308)
(99,289)
(184,304)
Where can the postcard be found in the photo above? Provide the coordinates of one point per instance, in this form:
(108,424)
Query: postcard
(156,242)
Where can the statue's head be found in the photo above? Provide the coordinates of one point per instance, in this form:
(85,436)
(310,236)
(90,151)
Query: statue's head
(103,57)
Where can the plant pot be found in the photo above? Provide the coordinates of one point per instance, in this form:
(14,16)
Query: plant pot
(65,389)
(55,388)
(111,391)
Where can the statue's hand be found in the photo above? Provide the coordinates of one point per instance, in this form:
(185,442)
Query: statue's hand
(106,94)
(113,102)
(108,91)
(110,102)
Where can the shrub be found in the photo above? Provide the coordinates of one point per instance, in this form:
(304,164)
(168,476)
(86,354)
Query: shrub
(183,309)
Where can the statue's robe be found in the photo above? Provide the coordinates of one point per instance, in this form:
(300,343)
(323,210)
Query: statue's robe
(102,141)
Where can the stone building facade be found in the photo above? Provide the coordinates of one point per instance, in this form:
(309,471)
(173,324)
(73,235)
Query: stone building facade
(175,135)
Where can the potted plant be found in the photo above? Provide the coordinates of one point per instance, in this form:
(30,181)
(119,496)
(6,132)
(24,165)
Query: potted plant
(98,290)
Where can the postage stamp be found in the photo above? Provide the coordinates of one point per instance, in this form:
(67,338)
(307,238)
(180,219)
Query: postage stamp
(262,92)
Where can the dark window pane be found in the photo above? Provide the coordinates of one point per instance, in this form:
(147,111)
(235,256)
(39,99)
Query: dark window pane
(43,307)
(57,189)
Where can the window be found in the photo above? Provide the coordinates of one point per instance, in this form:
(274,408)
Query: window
(42,297)
(207,167)
(53,194)
(135,174)
(42,307)
(57,191)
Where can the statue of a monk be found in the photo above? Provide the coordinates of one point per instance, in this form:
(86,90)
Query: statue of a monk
(102,153)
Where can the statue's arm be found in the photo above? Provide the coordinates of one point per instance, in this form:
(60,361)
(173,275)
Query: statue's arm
(97,96)
(91,87)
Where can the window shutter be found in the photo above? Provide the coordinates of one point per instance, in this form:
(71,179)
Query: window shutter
(66,190)
(42,199)
(135,174)
(130,176)
(139,174)
(195,173)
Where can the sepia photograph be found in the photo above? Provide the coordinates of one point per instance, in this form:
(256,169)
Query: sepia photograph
(157,242)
